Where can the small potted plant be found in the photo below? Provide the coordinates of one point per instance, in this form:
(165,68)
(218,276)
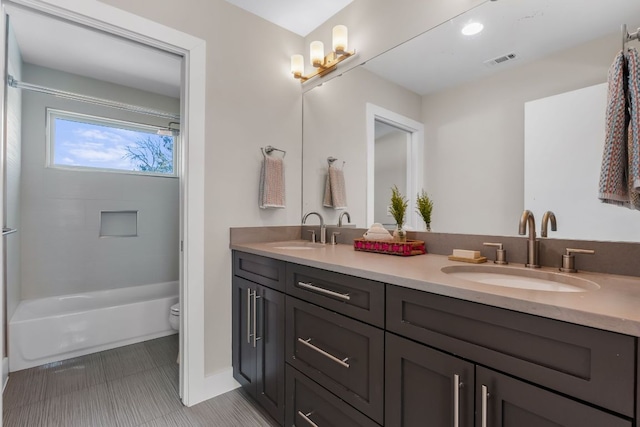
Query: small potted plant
(424,206)
(398,209)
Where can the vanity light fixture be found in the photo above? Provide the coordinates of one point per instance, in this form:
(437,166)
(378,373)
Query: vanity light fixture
(472,28)
(323,64)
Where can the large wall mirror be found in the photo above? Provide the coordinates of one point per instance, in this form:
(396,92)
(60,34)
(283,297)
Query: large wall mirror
(482,100)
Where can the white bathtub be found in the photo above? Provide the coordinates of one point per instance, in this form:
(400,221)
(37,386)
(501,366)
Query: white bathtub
(51,329)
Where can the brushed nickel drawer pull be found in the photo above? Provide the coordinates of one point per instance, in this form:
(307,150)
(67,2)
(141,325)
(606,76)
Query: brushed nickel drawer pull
(249,299)
(485,409)
(456,400)
(307,419)
(341,362)
(312,287)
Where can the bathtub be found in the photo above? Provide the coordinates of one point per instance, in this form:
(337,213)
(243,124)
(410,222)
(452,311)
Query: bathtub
(51,329)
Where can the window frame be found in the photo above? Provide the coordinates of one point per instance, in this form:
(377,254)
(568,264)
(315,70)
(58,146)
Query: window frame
(52,114)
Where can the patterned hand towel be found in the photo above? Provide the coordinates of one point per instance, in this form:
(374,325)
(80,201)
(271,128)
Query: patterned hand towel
(633,136)
(613,173)
(335,193)
(272,183)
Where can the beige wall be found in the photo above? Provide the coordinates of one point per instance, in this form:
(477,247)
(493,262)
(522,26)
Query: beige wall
(474,154)
(251,101)
(335,125)
(391,169)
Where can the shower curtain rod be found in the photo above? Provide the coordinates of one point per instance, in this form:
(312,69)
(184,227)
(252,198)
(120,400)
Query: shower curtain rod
(92,100)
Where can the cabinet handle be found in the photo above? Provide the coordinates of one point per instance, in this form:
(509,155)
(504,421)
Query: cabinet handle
(311,287)
(255,318)
(485,396)
(249,295)
(456,400)
(341,362)
(307,419)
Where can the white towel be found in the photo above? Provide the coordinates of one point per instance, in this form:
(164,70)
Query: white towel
(272,183)
(335,193)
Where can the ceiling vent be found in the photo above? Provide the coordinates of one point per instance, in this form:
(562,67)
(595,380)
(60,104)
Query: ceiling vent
(500,59)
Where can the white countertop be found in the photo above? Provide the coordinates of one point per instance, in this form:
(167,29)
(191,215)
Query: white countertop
(614,307)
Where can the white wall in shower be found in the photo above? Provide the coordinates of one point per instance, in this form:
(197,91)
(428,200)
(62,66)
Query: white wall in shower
(62,252)
(13,170)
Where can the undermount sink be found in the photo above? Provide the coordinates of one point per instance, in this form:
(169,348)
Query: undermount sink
(297,246)
(519,278)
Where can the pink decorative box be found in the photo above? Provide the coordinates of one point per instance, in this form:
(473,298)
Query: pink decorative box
(408,248)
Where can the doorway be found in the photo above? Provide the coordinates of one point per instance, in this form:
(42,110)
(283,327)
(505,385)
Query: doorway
(125,26)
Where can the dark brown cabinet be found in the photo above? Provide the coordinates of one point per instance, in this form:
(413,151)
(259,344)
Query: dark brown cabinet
(424,386)
(361,353)
(343,355)
(503,401)
(258,344)
(309,405)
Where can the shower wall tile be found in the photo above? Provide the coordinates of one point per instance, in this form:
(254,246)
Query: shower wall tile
(62,252)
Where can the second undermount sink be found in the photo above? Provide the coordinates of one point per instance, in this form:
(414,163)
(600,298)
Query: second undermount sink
(520,278)
(297,245)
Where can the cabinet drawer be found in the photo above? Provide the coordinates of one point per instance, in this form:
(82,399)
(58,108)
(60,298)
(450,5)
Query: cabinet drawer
(341,354)
(307,401)
(262,270)
(359,298)
(590,364)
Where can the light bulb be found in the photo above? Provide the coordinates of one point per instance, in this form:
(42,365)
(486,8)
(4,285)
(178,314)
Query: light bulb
(472,28)
(340,38)
(297,65)
(317,53)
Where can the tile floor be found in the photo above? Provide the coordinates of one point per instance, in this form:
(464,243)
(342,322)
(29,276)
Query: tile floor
(136,385)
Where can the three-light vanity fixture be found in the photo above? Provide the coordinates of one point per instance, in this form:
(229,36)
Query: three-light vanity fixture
(323,64)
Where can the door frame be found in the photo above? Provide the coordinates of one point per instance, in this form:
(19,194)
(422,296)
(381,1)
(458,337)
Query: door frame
(106,18)
(415,158)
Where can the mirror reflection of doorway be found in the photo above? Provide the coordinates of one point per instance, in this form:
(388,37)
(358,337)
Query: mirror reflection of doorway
(392,146)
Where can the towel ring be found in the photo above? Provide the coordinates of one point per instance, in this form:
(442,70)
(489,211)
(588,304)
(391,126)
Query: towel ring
(269,149)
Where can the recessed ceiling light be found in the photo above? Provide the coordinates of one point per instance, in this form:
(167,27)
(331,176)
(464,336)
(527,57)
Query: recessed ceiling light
(472,28)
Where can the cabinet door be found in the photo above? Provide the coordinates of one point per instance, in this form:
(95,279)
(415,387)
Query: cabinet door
(513,403)
(270,358)
(244,354)
(426,387)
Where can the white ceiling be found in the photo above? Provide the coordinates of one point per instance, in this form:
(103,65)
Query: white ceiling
(298,16)
(532,29)
(74,49)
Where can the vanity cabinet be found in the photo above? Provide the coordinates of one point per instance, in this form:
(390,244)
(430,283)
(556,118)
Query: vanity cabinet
(258,331)
(355,352)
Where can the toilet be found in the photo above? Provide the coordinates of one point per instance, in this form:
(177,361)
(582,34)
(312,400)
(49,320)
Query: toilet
(174,317)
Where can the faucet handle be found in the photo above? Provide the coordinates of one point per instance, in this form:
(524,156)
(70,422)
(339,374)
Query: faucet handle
(569,259)
(501,253)
(333,237)
(313,236)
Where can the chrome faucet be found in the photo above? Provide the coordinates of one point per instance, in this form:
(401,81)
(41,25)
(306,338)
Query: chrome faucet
(323,228)
(548,216)
(341,216)
(527,220)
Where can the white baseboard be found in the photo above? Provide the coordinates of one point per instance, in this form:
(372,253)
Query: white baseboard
(5,372)
(215,385)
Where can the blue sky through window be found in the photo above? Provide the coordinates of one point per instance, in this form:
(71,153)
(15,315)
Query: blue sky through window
(89,145)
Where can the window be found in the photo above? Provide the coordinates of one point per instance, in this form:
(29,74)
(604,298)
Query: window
(83,142)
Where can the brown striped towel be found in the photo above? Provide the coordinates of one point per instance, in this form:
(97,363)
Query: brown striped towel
(633,136)
(614,171)
(335,193)
(272,183)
